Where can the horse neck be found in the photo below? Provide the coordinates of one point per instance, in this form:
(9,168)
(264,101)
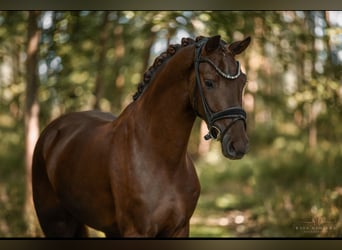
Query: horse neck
(164,111)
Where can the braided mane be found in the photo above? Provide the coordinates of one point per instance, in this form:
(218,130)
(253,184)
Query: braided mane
(171,50)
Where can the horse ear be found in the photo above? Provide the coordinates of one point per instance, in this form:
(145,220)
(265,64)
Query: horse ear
(213,43)
(238,47)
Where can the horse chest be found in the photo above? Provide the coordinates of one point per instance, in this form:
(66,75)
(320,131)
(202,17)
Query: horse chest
(153,202)
(165,214)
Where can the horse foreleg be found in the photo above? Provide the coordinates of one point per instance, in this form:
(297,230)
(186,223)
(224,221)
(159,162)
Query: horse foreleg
(182,232)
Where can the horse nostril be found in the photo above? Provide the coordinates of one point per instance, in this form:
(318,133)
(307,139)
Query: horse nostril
(237,151)
(234,148)
(231,149)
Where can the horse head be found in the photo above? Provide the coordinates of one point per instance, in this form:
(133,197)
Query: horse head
(218,91)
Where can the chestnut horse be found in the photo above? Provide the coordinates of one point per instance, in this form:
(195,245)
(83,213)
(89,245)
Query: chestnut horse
(131,175)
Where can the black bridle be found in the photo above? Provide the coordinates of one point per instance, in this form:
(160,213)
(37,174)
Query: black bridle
(234,113)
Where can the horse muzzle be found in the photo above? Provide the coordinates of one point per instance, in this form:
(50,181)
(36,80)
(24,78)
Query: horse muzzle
(232,148)
(233,137)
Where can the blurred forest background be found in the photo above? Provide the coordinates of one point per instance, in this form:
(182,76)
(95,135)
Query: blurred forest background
(289,184)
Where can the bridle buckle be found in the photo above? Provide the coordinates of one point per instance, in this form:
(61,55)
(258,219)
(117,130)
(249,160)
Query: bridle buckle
(213,133)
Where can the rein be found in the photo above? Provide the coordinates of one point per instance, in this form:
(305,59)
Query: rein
(234,113)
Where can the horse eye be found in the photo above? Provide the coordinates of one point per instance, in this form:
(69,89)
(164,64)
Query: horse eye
(209,84)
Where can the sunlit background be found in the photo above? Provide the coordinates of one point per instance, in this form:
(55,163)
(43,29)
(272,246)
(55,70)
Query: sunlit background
(289,184)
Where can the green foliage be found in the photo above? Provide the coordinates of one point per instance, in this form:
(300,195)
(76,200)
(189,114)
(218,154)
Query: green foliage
(12,176)
(270,192)
(293,99)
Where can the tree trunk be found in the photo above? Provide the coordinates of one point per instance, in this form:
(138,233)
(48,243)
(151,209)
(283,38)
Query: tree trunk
(329,65)
(311,114)
(99,84)
(31,116)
